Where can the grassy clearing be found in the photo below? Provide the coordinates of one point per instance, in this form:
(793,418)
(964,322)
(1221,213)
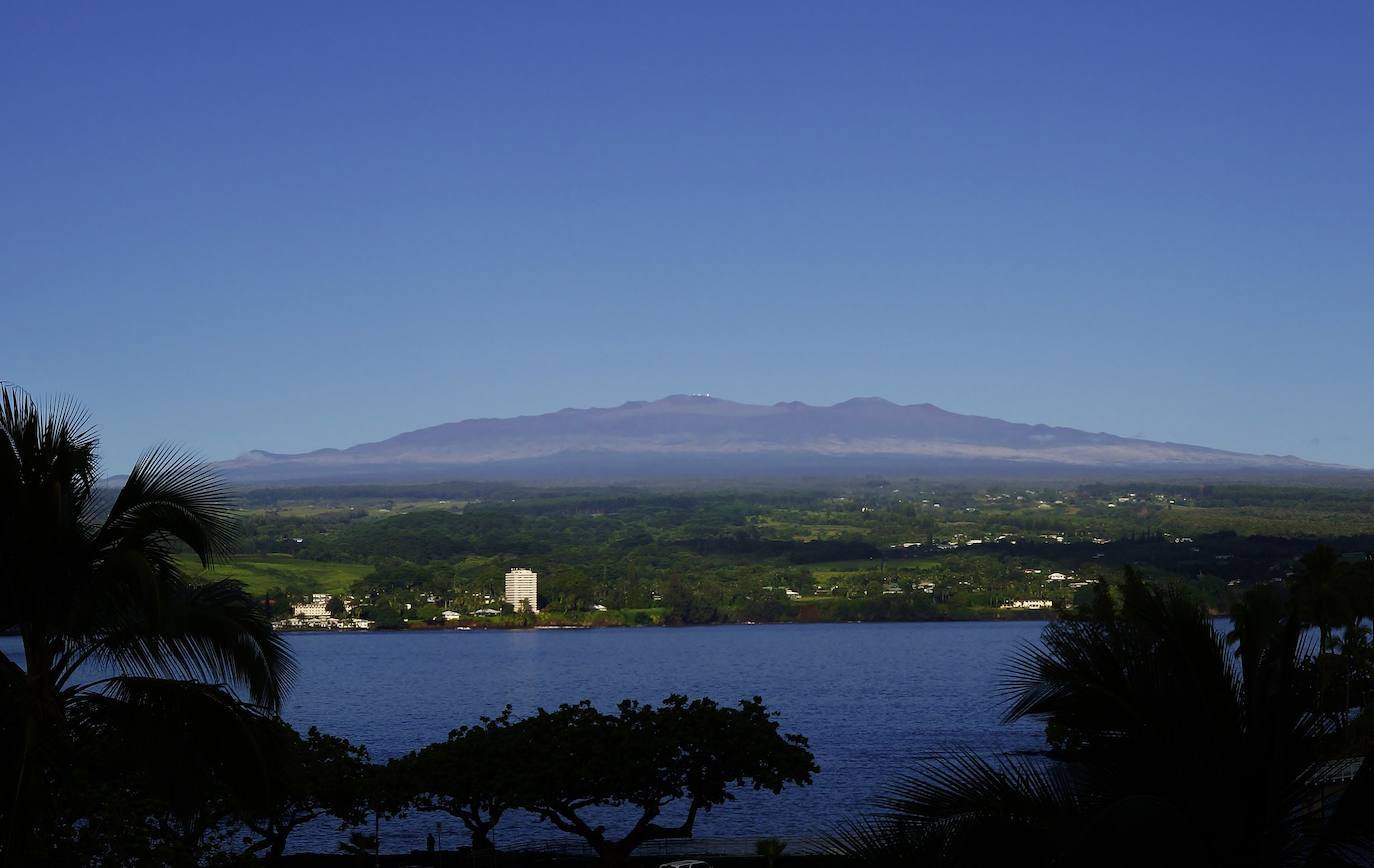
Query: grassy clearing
(374,509)
(1263,521)
(832,570)
(305,577)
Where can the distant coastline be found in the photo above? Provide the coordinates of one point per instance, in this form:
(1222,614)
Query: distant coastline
(1019,617)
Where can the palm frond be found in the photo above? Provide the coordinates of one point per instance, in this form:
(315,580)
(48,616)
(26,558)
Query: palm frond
(962,809)
(1162,662)
(180,737)
(170,495)
(879,841)
(214,632)
(45,443)
(962,783)
(1348,835)
(47,475)
(1048,677)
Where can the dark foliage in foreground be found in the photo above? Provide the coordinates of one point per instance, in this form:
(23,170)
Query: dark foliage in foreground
(564,764)
(89,579)
(160,762)
(1175,746)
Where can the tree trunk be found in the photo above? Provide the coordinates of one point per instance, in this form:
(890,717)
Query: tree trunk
(17,835)
(613,852)
(481,839)
(34,681)
(278,847)
(618,852)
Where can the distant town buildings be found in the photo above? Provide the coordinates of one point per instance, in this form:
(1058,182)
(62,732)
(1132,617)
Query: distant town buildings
(522,586)
(313,614)
(1029,604)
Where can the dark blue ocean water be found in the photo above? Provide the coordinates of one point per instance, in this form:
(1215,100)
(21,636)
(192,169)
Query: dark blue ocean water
(872,698)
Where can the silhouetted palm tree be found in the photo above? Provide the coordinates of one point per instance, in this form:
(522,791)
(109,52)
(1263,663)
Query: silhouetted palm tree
(90,580)
(770,849)
(1320,599)
(1173,754)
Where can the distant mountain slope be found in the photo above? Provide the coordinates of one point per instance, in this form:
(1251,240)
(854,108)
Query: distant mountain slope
(685,435)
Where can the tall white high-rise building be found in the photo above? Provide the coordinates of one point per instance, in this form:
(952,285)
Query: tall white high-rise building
(522,584)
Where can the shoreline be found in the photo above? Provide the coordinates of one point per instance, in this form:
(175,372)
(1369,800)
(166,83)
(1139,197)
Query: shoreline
(434,628)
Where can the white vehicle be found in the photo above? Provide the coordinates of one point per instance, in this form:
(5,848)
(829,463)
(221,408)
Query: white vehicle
(686,863)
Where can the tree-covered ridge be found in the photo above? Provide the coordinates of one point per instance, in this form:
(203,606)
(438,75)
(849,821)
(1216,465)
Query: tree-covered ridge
(870,549)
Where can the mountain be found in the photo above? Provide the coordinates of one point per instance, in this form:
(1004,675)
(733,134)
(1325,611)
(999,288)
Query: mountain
(697,435)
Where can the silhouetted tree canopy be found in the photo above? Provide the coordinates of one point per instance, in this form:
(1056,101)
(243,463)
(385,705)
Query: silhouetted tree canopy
(1192,747)
(572,763)
(476,775)
(91,576)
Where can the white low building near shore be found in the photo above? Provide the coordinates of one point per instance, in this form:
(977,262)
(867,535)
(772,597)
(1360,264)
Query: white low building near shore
(314,609)
(313,614)
(1029,604)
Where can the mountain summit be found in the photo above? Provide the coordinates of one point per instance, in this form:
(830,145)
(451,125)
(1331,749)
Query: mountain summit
(697,435)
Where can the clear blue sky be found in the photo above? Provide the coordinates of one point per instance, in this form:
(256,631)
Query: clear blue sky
(296,225)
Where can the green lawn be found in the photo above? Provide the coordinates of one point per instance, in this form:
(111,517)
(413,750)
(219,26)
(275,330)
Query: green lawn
(306,577)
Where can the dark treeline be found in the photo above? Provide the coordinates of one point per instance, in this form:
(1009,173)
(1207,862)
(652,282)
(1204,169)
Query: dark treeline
(1237,494)
(199,778)
(344,493)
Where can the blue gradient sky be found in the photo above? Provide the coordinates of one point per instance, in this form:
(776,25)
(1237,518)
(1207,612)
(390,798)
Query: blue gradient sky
(287,226)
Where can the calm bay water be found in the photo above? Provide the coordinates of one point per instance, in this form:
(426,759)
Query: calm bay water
(872,698)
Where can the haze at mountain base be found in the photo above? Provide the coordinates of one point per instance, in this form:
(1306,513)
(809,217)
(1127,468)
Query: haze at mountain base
(696,435)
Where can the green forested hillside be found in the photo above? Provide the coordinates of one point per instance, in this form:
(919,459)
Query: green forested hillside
(868,549)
